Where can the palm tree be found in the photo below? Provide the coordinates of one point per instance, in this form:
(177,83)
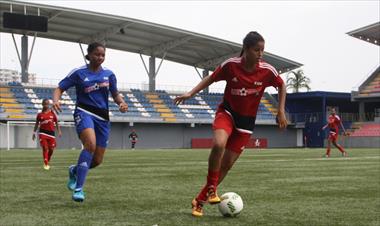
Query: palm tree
(296,80)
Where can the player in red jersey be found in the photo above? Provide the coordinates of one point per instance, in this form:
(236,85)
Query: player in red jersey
(46,121)
(247,77)
(333,123)
(133,138)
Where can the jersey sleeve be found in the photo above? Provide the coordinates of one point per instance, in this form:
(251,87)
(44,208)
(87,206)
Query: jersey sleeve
(69,81)
(220,73)
(337,119)
(55,118)
(38,118)
(113,84)
(275,81)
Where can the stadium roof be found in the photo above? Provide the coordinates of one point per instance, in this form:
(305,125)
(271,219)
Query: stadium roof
(370,33)
(137,36)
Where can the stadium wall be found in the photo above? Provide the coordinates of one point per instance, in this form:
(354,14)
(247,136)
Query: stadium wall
(151,135)
(360,142)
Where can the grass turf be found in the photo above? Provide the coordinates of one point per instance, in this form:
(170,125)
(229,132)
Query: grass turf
(148,187)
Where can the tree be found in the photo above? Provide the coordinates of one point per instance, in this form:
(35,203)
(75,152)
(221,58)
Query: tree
(297,80)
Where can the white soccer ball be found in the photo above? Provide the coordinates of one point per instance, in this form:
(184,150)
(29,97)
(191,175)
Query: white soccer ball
(231,204)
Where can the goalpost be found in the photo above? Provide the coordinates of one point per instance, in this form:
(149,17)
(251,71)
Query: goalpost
(26,124)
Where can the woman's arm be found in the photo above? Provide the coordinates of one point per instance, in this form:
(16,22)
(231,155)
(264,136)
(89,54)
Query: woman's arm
(206,82)
(34,130)
(119,100)
(282,122)
(56,97)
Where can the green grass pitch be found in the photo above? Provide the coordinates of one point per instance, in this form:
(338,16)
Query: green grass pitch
(155,187)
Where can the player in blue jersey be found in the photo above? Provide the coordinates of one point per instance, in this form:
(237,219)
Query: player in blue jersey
(93,83)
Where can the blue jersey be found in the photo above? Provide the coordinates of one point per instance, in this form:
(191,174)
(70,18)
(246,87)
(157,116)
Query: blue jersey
(92,88)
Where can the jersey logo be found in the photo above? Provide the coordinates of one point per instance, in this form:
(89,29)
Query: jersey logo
(77,119)
(96,86)
(86,79)
(234,79)
(258,83)
(84,164)
(244,92)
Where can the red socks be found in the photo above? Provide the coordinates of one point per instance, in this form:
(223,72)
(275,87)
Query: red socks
(212,180)
(328,151)
(45,154)
(50,154)
(340,148)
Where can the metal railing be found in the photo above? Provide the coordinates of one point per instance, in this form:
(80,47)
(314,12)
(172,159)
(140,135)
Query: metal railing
(49,83)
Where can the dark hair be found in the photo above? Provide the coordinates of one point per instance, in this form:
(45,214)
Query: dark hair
(92,46)
(45,100)
(251,39)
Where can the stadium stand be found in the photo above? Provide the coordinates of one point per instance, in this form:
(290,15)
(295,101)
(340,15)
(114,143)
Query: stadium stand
(368,93)
(370,87)
(367,129)
(23,102)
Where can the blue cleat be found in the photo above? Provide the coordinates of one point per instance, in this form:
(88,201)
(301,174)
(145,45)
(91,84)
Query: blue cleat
(72,179)
(78,196)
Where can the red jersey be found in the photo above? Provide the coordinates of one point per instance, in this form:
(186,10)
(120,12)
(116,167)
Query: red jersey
(244,89)
(333,123)
(47,121)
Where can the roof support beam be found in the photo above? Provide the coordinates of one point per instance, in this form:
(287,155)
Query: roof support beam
(54,15)
(152,71)
(24,59)
(166,46)
(103,34)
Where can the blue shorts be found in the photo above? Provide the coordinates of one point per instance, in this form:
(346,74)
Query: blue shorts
(102,128)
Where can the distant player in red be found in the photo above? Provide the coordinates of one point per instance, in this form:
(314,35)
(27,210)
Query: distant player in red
(133,138)
(333,123)
(46,121)
(247,77)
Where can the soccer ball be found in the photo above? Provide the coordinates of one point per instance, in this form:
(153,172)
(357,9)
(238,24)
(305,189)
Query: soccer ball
(231,204)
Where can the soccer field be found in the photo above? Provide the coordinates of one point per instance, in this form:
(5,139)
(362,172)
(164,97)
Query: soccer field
(155,187)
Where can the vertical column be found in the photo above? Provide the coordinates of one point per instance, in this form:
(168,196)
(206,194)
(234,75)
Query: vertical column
(361,111)
(152,74)
(24,59)
(205,74)
(323,121)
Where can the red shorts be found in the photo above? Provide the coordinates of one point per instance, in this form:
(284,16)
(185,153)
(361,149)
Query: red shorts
(46,141)
(333,136)
(236,140)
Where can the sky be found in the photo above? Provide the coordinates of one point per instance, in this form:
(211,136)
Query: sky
(312,33)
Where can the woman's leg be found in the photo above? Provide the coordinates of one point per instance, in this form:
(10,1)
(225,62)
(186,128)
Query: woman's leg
(229,158)
(214,163)
(235,146)
(328,147)
(87,136)
(98,156)
(339,147)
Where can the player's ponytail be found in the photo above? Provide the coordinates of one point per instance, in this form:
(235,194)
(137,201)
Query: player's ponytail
(251,39)
(91,47)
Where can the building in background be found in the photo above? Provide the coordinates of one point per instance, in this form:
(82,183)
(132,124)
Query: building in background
(13,76)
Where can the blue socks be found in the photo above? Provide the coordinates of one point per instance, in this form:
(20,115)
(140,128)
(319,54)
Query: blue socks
(84,163)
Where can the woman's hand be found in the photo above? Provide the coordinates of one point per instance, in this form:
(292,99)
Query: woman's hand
(123,107)
(57,107)
(282,122)
(180,99)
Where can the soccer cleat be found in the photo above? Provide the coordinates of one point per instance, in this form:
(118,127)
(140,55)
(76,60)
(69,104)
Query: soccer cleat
(326,156)
(78,196)
(72,182)
(212,197)
(196,208)
(46,167)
